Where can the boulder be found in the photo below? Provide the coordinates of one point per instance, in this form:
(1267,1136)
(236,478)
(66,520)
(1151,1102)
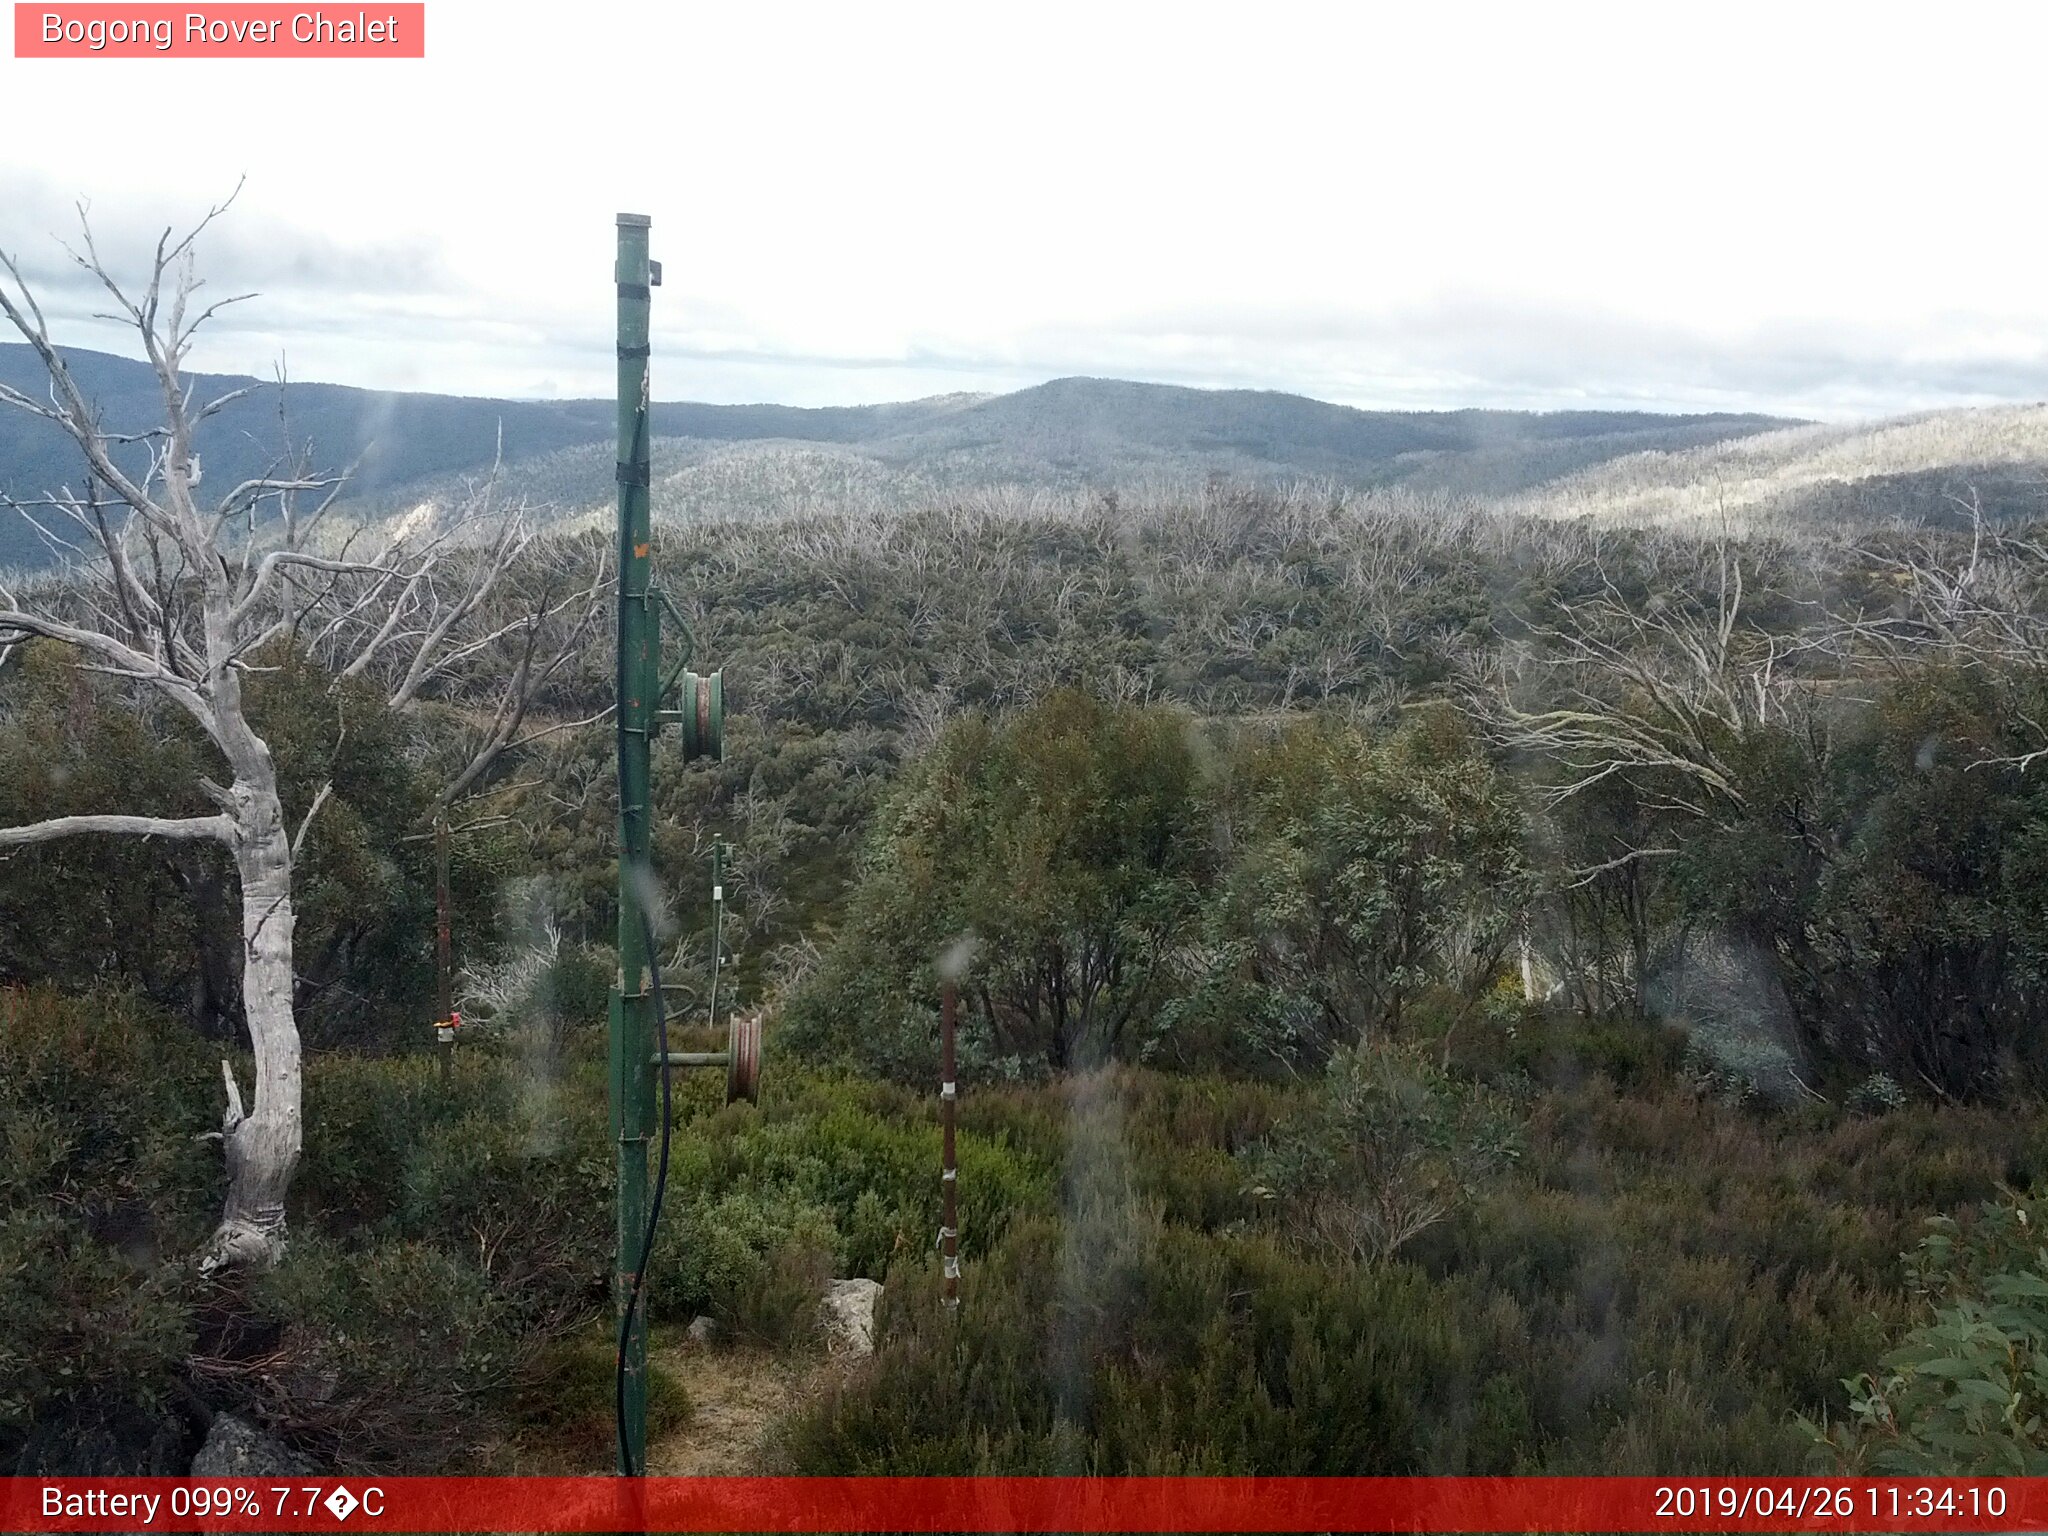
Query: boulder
(849,1316)
(236,1448)
(703,1330)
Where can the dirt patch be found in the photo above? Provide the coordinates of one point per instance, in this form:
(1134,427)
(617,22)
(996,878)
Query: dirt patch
(738,1396)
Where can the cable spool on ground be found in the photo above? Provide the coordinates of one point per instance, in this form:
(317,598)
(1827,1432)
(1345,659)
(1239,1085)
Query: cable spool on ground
(743,1058)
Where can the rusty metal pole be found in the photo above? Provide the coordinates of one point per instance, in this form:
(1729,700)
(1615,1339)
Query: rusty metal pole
(949,1173)
(444,947)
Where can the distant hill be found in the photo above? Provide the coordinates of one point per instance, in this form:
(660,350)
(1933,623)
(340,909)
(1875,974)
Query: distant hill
(400,439)
(751,458)
(1929,467)
(1103,428)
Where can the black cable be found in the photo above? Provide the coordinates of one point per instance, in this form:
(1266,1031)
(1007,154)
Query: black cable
(639,1284)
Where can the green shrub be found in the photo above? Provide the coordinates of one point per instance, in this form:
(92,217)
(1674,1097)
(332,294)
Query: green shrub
(848,1164)
(1367,871)
(104,1191)
(565,1401)
(1148,1350)
(476,1165)
(101,1108)
(1069,841)
(1659,1284)
(756,1263)
(1877,1094)
(385,1355)
(86,1333)
(577,988)
(1965,1393)
(1391,1146)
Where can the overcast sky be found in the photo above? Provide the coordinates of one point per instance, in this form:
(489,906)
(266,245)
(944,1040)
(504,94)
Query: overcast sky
(1817,210)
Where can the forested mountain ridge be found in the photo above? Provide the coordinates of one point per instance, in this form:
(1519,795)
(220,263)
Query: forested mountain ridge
(1075,433)
(1926,466)
(390,439)
(1072,435)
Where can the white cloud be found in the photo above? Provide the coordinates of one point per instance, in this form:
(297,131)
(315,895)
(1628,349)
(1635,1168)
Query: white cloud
(1821,209)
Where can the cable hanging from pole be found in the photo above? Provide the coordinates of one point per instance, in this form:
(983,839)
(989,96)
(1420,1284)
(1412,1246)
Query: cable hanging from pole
(638,1288)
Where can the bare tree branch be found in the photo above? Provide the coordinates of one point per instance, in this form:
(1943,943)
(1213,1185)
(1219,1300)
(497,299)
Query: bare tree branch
(180,828)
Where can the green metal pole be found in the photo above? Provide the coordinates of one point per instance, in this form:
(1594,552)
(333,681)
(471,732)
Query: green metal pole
(632,1002)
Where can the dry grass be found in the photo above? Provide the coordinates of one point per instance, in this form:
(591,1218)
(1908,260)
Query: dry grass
(738,1397)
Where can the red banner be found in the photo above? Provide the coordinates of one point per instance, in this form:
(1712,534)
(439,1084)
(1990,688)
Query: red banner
(225,31)
(1037,1504)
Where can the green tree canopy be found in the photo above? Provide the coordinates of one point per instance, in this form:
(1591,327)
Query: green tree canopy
(1066,847)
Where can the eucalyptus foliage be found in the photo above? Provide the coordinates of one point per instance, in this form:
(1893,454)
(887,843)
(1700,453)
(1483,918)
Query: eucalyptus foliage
(1965,1393)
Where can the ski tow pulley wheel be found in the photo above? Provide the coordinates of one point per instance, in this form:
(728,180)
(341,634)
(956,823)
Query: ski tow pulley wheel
(743,1058)
(701,713)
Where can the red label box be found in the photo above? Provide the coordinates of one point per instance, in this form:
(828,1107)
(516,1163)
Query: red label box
(225,31)
(1108,1506)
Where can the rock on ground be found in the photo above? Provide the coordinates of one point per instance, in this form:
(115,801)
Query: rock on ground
(849,1315)
(236,1448)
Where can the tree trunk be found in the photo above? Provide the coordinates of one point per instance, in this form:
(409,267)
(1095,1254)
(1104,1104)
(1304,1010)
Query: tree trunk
(262,1145)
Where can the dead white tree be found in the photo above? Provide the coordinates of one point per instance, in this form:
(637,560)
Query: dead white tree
(1664,688)
(178,598)
(1663,695)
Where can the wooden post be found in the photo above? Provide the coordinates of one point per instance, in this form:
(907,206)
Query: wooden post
(949,1172)
(444,961)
